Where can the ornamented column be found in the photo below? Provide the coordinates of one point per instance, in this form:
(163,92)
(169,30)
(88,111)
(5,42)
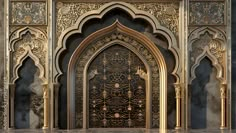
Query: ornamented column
(46,103)
(11,101)
(178,105)
(223,96)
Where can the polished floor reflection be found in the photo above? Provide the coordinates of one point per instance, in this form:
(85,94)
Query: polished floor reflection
(118,130)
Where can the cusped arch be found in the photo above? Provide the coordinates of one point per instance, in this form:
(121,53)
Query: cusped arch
(159,59)
(213,59)
(26,54)
(19,34)
(134,13)
(197,33)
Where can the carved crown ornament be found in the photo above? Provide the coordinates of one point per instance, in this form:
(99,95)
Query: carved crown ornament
(89,13)
(28,42)
(208,42)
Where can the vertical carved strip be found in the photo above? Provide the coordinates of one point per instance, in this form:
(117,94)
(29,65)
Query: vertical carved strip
(223,96)
(178,105)
(46,103)
(55,109)
(11,101)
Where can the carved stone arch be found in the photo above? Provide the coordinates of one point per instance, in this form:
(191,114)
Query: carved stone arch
(18,35)
(134,13)
(127,37)
(197,33)
(215,63)
(25,42)
(214,49)
(26,54)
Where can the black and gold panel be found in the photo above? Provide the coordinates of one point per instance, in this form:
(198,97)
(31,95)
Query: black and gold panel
(117,94)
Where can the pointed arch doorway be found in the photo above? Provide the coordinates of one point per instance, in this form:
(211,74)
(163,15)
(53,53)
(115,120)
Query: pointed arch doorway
(106,90)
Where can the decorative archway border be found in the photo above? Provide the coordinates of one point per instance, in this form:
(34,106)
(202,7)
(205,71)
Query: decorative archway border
(134,13)
(142,41)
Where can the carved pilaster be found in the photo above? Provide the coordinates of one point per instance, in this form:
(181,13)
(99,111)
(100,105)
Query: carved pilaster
(178,105)
(223,96)
(46,103)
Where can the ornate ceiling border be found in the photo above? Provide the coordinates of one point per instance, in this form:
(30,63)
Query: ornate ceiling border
(134,13)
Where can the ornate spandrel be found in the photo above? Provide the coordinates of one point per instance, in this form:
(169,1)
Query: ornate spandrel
(166,13)
(28,13)
(206,13)
(68,13)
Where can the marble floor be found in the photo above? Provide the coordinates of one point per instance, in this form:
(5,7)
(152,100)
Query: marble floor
(116,131)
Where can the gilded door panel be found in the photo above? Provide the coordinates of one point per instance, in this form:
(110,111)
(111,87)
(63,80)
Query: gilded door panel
(117,94)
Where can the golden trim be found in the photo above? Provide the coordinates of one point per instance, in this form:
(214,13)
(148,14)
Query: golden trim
(46,106)
(223,96)
(178,105)
(140,38)
(134,13)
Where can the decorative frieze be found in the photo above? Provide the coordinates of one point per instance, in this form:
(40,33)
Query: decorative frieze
(207,13)
(28,13)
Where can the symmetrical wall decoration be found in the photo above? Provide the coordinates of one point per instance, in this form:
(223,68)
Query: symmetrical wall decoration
(207,13)
(166,13)
(28,13)
(28,42)
(120,38)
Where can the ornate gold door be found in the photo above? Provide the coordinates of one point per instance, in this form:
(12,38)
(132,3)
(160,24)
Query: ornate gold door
(117,94)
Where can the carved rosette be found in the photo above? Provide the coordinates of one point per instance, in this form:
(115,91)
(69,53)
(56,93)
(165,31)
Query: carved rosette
(166,13)
(206,13)
(68,13)
(28,13)
(93,48)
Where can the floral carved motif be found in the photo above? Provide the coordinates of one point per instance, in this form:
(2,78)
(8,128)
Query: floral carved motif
(68,13)
(215,47)
(166,13)
(25,13)
(30,43)
(206,13)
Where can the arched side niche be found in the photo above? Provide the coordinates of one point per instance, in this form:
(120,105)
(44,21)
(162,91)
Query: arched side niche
(136,42)
(28,97)
(207,42)
(27,42)
(98,14)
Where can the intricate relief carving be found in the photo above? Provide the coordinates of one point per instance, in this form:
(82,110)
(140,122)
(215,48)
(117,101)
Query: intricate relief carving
(166,13)
(93,48)
(27,42)
(215,47)
(68,13)
(206,13)
(34,13)
(35,45)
